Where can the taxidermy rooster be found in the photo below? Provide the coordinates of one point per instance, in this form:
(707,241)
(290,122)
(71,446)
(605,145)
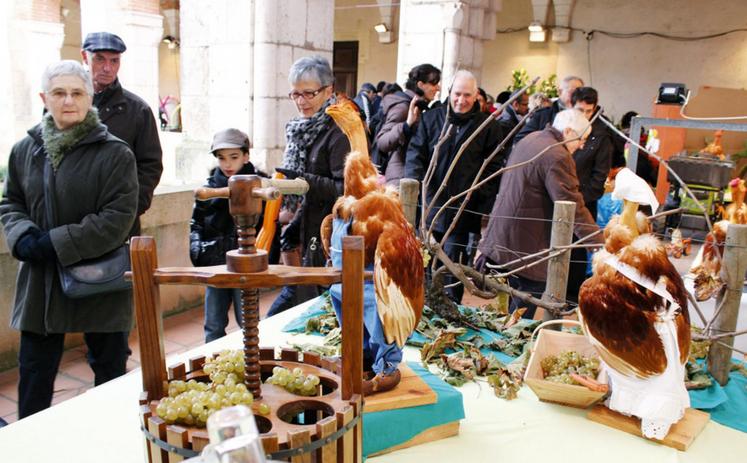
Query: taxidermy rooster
(634,311)
(706,266)
(393,303)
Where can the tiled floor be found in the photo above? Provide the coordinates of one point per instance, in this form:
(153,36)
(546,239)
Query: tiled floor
(182,332)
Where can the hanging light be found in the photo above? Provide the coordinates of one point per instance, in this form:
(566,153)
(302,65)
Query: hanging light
(381,28)
(536,32)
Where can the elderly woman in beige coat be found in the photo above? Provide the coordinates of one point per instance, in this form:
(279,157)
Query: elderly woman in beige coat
(93,200)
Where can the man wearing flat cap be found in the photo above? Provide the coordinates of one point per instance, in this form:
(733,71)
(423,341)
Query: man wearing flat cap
(126,115)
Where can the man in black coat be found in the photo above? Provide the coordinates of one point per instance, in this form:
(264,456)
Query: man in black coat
(126,115)
(464,118)
(594,159)
(543,117)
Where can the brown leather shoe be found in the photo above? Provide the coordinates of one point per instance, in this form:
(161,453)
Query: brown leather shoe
(381,383)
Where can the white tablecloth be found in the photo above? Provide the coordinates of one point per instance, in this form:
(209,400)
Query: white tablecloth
(102,425)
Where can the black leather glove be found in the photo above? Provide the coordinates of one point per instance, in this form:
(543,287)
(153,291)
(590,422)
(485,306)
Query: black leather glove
(289,174)
(290,237)
(35,246)
(45,247)
(25,245)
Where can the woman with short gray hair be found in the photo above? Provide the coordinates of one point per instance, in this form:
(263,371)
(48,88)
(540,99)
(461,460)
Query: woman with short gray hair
(315,150)
(71,195)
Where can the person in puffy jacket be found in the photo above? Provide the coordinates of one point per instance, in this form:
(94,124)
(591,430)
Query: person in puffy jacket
(212,230)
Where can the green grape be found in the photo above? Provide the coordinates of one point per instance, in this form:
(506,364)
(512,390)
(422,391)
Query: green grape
(263,409)
(247,398)
(192,384)
(171,414)
(241,387)
(277,370)
(314,379)
(197,408)
(235,398)
(219,377)
(189,420)
(220,389)
(182,411)
(297,371)
(214,401)
(161,409)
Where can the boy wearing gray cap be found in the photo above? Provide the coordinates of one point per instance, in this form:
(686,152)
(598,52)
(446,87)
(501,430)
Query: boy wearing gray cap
(212,231)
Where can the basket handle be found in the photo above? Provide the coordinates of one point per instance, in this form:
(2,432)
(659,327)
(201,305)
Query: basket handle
(553,322)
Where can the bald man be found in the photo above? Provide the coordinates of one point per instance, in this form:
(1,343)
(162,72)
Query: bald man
(464,117)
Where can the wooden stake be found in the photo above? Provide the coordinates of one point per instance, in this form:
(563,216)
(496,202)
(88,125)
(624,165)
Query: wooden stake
(149,323)
(733,267)
(352,319)
(557,268)
(409,188)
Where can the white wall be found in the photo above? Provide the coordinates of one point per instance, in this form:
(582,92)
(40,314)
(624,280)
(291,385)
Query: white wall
(627,72)
(376,61)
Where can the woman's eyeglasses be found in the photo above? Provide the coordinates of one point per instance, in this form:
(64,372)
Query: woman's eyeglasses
(306,94)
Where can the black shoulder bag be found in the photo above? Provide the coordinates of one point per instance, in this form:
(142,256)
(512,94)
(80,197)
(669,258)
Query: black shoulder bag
(89,277)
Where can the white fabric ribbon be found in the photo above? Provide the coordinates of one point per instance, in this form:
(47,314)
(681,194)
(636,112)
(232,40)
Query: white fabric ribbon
(659,288)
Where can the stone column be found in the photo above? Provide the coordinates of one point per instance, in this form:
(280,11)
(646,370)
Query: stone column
(216,76)
(448,34)
(34,40)
(285,30)
(140,25)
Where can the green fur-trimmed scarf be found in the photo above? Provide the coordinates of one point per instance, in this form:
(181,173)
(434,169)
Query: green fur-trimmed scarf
(57,143)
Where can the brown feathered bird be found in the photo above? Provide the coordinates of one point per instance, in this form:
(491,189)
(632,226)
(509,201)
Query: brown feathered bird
(391,248)
(706,266)
(634,311)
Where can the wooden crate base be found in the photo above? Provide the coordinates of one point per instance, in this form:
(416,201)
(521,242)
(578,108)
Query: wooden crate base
(429,435)
(412,391)
(680,436)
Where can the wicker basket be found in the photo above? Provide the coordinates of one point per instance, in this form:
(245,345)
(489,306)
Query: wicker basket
(551,342)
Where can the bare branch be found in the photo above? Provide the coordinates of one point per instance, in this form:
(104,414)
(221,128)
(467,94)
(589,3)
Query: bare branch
(713,337)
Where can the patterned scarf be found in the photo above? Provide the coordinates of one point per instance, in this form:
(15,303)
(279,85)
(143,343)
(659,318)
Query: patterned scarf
(300,134)
(57,143)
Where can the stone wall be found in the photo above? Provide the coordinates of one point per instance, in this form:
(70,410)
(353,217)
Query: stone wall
(628,72)
(167,221)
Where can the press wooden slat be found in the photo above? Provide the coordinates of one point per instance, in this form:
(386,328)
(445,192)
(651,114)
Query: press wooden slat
(345,449)
(177,372)
(357,432)
(200,440)
(267,353)
(298,439)
(143,400)
(329,365)
(178,437)
(196,363)
(146,295)
(352,323)
(289,355)
(270,443)
(146,413)
(328,453)
(312,358)
(157,427)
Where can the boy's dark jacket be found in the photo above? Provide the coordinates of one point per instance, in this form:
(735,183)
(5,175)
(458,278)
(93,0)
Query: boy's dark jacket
(211,231)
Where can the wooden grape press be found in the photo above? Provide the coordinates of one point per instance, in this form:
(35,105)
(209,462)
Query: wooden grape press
(326,427)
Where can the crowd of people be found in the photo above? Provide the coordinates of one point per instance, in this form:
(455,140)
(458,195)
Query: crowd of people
(79,181)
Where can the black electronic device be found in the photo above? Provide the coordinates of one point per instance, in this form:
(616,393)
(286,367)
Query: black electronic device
(672,93)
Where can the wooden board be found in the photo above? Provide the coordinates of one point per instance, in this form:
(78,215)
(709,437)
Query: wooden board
(410,392)
(429,435)
(680,436)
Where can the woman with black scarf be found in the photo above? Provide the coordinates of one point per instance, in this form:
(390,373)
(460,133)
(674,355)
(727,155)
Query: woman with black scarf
(315,150)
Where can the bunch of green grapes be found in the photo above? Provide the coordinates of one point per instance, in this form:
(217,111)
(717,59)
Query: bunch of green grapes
(558,368)
(294,381)
(192,402)
(228,364)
